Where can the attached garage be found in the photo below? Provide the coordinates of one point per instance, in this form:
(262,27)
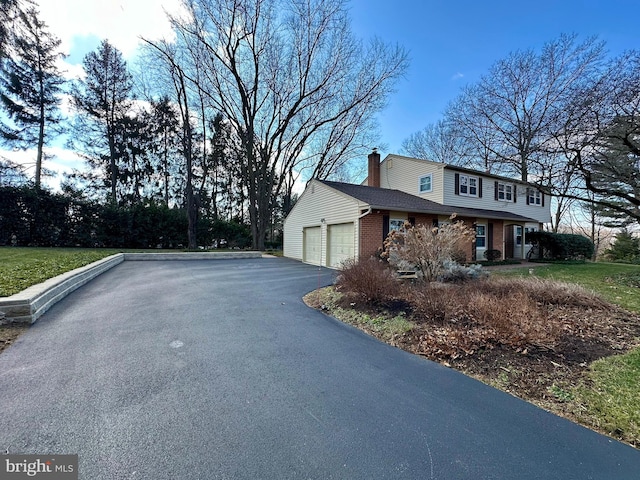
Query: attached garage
(341,244)
(312,245)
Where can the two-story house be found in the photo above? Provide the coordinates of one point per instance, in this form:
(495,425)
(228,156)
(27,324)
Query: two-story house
(334,221)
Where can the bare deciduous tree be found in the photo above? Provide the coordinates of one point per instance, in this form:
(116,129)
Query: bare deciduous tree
(438,142)
(283,72)
(601,139)
(518,119)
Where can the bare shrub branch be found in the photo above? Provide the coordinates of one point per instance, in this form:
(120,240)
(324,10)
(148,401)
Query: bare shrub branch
(426,249)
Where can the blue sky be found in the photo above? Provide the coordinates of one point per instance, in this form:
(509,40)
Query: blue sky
(451,43)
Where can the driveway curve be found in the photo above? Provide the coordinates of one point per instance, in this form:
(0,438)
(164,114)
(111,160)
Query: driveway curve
(217,370)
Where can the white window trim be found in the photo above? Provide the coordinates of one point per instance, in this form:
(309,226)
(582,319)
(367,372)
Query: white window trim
(536,196)
(484,226)
(506,186)
(430,176)
(468,178)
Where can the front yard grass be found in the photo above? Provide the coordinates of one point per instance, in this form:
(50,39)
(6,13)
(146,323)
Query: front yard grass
(611,395)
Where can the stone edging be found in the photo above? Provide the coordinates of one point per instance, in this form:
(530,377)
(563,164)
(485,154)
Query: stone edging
(28,305)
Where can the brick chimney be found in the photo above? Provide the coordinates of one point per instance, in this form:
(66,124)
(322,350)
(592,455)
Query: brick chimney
(373,180)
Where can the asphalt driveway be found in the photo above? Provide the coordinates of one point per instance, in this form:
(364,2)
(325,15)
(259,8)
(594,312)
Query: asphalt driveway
(217,370)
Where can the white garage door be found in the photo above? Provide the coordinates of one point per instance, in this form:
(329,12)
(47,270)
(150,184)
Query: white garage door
(312,245)
(340,243)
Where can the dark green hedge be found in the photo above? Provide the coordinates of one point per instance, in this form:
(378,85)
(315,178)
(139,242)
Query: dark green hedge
(562,246)
(30,217)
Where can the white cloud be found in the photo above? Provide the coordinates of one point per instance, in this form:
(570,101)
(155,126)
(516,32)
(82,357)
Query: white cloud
(119,21)
(457,76)
(59,160)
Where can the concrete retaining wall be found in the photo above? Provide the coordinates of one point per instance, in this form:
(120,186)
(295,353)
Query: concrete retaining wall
(27,306)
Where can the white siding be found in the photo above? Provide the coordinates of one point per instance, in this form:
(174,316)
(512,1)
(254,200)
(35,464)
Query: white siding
(489,202)
(316,203)
(403,173)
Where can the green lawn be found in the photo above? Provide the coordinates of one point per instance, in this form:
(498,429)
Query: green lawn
(612,400)
(22,267)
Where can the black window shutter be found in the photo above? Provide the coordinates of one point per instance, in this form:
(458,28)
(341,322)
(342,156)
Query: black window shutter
(435,223)
(527,196)
(412,221)
(385,227)
(480,187)
(542,195)
(457,190)
(515,193)
(495,190)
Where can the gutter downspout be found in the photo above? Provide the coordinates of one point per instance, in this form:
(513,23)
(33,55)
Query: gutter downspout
(360,217)
(365,213)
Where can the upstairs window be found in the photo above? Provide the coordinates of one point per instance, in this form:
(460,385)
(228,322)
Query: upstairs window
(425,184)
(535,197)
(468,186)
(505,192)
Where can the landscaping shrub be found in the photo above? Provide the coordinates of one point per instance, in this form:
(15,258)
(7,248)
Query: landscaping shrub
(562,246)
(453,272)
(544,292)
(370,280)
(426,249)
(493,255)
(492,311)
(625,248)
(516,320)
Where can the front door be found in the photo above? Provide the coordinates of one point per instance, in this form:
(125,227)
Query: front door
(509,241)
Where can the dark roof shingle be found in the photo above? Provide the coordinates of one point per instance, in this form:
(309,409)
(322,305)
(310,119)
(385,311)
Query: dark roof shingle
(388,199)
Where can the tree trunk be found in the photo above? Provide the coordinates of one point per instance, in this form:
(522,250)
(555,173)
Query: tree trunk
(40,140)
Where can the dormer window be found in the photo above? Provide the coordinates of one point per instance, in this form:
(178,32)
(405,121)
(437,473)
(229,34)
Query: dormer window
(425,184)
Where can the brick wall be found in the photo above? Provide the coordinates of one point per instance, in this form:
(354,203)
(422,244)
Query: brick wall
(498,235)
(468,247)
(371,234)
(422,219)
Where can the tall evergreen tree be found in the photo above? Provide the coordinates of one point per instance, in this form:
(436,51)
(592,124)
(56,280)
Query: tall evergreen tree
(102,101)
(31,86)
(9,10)
(164,129)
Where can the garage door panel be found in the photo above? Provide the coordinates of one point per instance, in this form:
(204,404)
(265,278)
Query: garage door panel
(341,243)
